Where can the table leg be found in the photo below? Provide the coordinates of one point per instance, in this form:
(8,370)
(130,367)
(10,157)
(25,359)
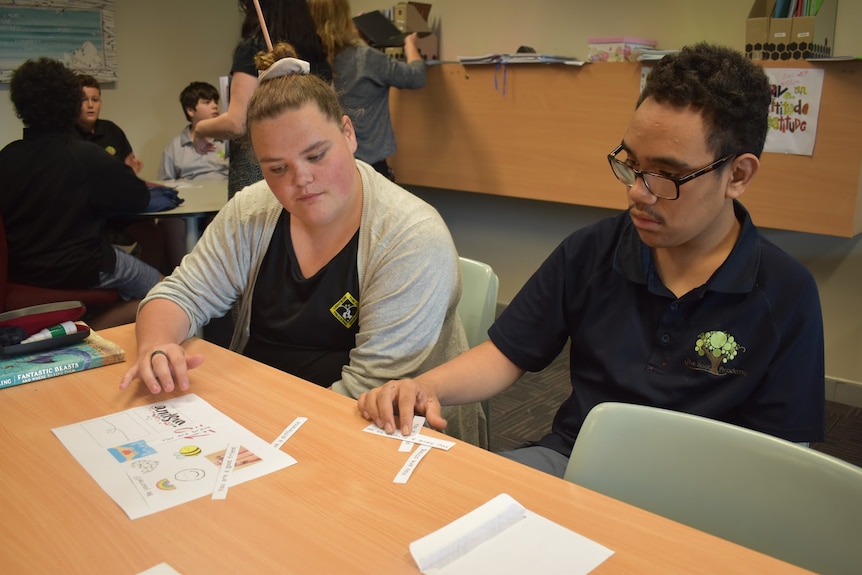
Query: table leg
(193,231)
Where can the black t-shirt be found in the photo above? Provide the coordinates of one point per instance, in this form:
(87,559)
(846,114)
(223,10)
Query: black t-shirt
(57,191)
(108,136)
(304,326)
(243,60)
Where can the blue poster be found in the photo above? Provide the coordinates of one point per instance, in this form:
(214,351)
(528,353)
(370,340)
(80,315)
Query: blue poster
(78,33)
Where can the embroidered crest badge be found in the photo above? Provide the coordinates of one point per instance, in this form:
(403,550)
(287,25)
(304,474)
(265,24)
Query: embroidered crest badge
(717,347)
(346,310)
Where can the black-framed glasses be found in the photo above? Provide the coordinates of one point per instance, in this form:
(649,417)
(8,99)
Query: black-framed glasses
(664,187)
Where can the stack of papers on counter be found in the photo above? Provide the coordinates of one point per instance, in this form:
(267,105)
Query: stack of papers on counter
(519,58)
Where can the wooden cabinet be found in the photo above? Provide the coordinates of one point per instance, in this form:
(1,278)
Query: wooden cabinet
(544,131)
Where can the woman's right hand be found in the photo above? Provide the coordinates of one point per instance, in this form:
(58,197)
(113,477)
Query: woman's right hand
(163,367)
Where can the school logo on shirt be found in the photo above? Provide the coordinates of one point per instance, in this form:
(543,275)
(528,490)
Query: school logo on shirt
(715,350)
(111,150)
(346,310)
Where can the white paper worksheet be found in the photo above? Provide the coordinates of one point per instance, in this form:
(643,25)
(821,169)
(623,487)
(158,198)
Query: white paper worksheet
(160,455)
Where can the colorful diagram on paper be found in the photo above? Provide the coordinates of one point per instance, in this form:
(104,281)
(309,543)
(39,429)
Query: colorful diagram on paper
(131,451)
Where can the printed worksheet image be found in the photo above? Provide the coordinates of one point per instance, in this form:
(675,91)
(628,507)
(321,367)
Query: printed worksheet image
(160,455)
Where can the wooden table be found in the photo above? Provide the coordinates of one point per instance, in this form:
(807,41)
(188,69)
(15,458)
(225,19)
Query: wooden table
(335,511)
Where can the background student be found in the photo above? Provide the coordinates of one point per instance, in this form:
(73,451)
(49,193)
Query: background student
(339,276)
(159,242)
(287,21)
(363,77)
(180,160)
(678,302)
(57,190)
(104,133)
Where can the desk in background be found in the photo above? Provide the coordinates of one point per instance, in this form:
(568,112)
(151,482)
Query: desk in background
(202,198)
(335,511)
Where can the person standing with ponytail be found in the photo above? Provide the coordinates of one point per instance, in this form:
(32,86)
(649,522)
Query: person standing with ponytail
(287,21)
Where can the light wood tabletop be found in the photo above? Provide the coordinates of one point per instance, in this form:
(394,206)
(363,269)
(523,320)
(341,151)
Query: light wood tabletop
(336,511)
(201,198)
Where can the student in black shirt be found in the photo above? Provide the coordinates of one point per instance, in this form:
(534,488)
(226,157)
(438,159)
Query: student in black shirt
(58,190)
(105,133)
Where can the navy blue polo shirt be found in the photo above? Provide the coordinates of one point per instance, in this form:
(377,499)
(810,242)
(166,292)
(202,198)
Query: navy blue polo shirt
(745,348)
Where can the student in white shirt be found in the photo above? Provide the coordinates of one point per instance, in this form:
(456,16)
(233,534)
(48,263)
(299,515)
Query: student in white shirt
(180,160)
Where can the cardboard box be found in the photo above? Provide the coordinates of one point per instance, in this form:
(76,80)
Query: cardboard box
(757,28)
(795,38)
(617,49)
(779,30)
(428,47)
(413,17)
(815,35)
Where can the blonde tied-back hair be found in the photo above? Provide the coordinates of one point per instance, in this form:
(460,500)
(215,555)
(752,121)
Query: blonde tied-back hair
(275,95)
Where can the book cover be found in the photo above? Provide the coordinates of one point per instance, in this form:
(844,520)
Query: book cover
(94,351)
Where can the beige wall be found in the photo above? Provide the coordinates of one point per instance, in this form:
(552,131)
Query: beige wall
(164,44)
(474,27)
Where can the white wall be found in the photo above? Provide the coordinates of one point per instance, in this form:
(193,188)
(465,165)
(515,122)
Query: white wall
(164,44)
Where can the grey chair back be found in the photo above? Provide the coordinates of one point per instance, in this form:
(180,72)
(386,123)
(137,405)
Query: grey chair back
(771,495)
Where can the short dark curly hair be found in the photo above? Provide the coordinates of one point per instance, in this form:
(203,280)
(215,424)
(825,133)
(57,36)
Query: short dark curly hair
(45,93)
(731,92)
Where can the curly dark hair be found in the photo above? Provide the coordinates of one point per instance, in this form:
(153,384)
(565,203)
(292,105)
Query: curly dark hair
(45,93)
(731,92)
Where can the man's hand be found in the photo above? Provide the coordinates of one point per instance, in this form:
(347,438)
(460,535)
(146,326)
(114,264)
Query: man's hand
(161,368)
(409,395)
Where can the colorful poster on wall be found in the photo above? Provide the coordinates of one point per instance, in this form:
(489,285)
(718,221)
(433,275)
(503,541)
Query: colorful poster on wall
(794,110)
(79,33)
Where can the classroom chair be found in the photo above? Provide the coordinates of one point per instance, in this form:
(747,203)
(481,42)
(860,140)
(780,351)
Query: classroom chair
(771,495)
(477,307)
(16,296)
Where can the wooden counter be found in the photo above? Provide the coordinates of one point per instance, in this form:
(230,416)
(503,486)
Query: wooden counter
(543,132)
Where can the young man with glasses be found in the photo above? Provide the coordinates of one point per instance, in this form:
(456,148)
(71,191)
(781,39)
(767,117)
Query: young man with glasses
(678,302)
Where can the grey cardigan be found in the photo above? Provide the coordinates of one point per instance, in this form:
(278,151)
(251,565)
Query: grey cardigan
(409,284)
